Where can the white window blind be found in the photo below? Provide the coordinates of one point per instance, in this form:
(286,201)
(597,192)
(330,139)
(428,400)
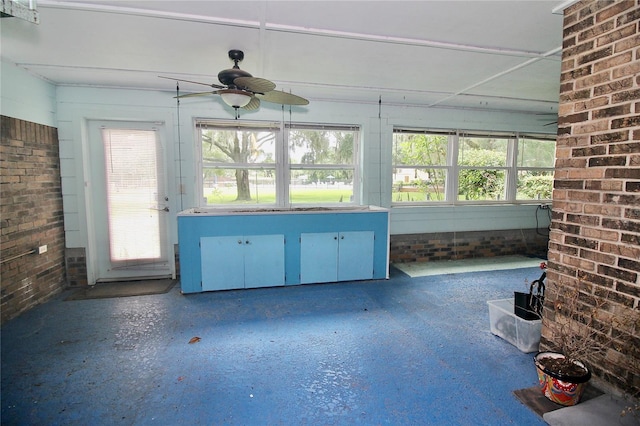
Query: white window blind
(134,185)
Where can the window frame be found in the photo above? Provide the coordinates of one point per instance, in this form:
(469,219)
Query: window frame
(453,169)
(447,167)
(282,165)
(532,168)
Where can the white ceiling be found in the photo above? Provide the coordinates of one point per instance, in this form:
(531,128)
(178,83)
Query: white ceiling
(497,55)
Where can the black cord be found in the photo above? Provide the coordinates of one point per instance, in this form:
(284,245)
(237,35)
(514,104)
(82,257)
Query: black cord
(181,189)
(380,148)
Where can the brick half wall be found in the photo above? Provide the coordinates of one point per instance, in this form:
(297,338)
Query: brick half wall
(463,245)
(31,216)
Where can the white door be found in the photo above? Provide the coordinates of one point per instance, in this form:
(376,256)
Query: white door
(130,203)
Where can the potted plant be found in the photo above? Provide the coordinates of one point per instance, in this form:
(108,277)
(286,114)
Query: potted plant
(562,374)
(581,330)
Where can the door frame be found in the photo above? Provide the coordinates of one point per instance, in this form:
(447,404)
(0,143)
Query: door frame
(93,138)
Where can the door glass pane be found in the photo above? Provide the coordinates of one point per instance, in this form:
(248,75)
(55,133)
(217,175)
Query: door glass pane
(133,180)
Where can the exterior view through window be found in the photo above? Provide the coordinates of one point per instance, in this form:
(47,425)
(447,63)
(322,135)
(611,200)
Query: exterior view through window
(322,165)
(419,166)
(453,167)
(259,164)
(482,163)
(535,162)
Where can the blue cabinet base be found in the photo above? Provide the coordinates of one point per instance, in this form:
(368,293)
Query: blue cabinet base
(366,227)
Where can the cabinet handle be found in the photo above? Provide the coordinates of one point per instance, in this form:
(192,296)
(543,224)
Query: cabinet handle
(342,237)
(335,238)
(247,242)
(239,241)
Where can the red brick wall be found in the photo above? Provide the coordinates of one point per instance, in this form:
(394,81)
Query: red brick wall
(463,245)
(595,232)
(31,216)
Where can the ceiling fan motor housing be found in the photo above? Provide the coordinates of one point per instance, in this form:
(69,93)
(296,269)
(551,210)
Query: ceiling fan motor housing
(226,77)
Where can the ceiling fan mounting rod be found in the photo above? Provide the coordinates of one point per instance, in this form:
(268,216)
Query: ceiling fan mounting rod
(236,56)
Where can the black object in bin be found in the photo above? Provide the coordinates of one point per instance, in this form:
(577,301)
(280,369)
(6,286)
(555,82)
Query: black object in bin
(528,306)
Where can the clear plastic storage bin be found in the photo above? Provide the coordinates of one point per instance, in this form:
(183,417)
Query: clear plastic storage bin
(523,334)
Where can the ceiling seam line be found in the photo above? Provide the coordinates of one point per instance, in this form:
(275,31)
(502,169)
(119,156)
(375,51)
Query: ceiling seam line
(148,13)
(285,28)
(500,74)
(403,41)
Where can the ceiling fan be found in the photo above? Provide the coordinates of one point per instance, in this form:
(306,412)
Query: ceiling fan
(240,89)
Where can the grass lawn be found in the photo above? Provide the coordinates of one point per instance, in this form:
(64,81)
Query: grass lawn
(297,195)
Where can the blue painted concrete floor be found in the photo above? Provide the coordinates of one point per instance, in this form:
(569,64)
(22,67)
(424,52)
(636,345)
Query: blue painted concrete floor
(407,350)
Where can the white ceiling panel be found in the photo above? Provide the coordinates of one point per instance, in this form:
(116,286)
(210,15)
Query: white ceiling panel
(447,53)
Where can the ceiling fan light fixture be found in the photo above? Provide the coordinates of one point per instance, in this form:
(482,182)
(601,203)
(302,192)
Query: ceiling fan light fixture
(235,98)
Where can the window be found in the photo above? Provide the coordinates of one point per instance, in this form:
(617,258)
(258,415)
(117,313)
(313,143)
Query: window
(420,166)
(453,167)
(482,167)
(259,164)
(535,161)
(322,166)
(238,163)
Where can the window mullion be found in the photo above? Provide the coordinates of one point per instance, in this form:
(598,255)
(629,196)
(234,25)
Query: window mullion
(512,171)
(451,186)
(282,168)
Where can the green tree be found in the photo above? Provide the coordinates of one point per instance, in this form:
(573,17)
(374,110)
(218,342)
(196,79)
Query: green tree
(536,185)
(481,184)
(236,147)
(423,150)
(324,147)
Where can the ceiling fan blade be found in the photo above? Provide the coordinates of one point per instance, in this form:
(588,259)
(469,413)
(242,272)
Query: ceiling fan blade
(254,84)
(284,98)
(215,86)
(189,95)
(253,104)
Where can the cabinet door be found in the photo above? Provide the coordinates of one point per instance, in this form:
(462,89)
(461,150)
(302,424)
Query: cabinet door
(355,255)
(263,260)
(318,257)
(222,262)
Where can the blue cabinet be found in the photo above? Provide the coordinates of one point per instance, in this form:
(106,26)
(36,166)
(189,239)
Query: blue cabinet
(222,263)
(242,261)
(224,249)
(355,255)
(336,256)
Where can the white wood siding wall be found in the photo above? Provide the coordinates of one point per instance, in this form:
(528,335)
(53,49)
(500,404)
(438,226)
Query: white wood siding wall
(70,108)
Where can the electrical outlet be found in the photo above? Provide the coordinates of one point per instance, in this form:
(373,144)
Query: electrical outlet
(42,249)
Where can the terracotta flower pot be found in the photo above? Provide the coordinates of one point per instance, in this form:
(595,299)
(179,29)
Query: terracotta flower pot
(561,387)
